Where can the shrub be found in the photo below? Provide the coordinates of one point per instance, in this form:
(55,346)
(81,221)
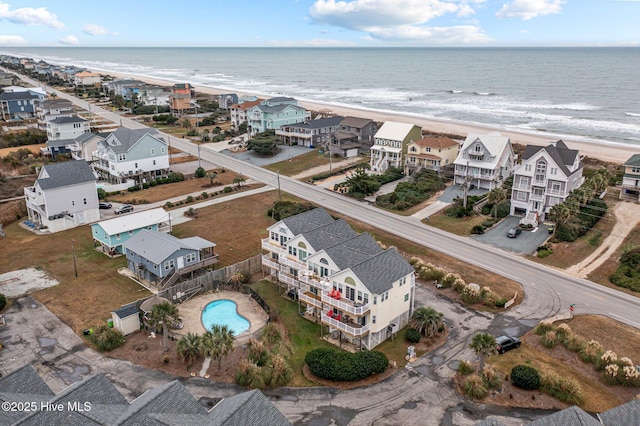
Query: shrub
(592,351)
(412,335)
(106,338)
(525,377)
(249,375)
(470,295)
(465,368)
(449,280)
(491,377)
(477,230)
(474,387)
(204,195)
(227,189)
(200,172)
(563,388)
(168,204)
(3,301)
(549,339)
(333,364)
(543,327)
(574,343)
(189,199)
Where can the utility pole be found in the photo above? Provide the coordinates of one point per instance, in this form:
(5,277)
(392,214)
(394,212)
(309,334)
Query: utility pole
(465,186)
(279,193)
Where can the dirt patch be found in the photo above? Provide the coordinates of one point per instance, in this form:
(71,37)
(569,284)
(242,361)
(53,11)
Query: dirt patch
(23,281)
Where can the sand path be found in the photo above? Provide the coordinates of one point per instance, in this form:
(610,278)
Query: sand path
(627,218)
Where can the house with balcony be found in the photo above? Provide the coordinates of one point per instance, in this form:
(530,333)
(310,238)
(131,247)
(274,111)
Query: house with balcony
(82,147)
(353,137)
(630,186)
(110,235)
(390,144)
(312,133)
(180,97)
(238,112)
(64,196)
(273,113)
(126,88)
(19,104)
(432,153)
(484,161)
(87,79)
(226,100)
(359,293)
(131,154)
(161,258)
(545,177)
(50,109)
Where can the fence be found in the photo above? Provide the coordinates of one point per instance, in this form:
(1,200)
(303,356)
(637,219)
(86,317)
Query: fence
(555,318)
(511,302)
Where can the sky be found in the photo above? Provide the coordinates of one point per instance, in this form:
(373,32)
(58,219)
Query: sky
(320,23)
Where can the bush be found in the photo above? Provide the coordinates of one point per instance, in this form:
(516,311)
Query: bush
(549,339)
(333,364)
(227,189)
(106,338)
(474,387)
(3,301)
(492,379)
(412,335)
(592,351)
(565,389)
(477,230)
(525,377)
(200,172)
(465,368)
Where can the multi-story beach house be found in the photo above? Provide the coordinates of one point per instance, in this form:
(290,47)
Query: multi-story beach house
(354,136)
(19,104)
(131,154)
(273,113)
(484,161)
(311,133)
(64,196)
(62,132)
(390,145)
(238,112)
(125,87)
(432,153)
(630,186)
(226,100)
(359,292)
(86,79)
(50,109)
(83,147)
(180,98)
(545,177)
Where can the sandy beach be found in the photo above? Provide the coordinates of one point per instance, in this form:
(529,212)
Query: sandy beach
(610,152)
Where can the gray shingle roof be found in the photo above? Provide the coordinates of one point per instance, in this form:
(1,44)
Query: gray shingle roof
(126,311)
(25,380)
(353,251)
(490,422)
(356,122)
(319,123)
(65,174)
(307,221)
(122,139)
(329,234)
(64,120)
(380,271)
(559,152)
(60,142)
(572,416)
(622,415)
(156,246)
(248,408)
(17,96)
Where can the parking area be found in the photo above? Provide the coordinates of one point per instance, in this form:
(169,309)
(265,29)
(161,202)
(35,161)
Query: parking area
(525,243)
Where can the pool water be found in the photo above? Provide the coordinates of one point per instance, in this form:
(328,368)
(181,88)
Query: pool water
(224,312)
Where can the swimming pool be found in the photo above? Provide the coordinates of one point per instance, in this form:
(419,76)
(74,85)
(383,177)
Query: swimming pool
(224,312)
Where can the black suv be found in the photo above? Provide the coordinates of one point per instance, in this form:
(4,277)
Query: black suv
(506,343)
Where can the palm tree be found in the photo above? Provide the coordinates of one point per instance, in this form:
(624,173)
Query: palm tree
(560,214)
(212,176)
(279,373)
(189,347)
(483,344)
(217,343)
(236,279)
(238,180)
(495,197)
(249,375)
(427,321)
(164,314)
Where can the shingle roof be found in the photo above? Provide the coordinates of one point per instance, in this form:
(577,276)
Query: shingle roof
(634,161)
(392,130)
(490,422)
(17,96)
(355,122)
(353,251)
(558,151)
(67,173)
(127,311)
(122,139)
(436,142)
(329,234)
(132,221)
(380,271)
(307,221)
(248,408)
(572,416)
(64,120)
(25,380)
(319,123)
(156,246)
(622,415)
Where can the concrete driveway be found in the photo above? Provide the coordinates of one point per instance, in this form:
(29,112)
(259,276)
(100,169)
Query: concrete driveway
(526,243)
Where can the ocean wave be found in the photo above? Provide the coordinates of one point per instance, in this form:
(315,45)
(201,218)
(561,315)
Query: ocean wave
(484,93)
(632,114)
(456,92)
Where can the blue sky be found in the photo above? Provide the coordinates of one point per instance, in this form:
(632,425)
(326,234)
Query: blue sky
(366,23)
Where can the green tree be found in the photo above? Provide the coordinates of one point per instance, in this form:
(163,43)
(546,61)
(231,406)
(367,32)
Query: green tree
(164,314)
(238,180)
(361,182)
(189,347)
(427,321)
(217,343)
(560,214)
(186,123)
(483,344)
(200,172)
(495,197)
(212,176)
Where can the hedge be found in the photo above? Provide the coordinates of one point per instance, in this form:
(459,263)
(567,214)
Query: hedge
(525,377)
(333,364)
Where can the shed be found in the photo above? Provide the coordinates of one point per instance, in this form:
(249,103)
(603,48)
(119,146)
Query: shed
(126,319)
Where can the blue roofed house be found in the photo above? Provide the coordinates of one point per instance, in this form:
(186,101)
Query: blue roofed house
(226,100)
(311,133)
(361,293)
(131,154)
(111,234)
(64,196)
(274,113)
(161,258)
(20,104)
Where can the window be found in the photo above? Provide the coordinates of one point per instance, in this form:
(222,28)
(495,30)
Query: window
(373,319)
(527,167)
(130,233)
(302,255)
(365,298)
(84,200)
(375,300)
(73,203)
(190,257)
(275,236)
(135,165)
(554,170)
(168,264)
(359,296)
(117,236)
(406,297)
(635,169)
(521,196)
(153,151)
(161,150)
(122,157)
(154,162)
(293,251)
(403,281)
(413,149)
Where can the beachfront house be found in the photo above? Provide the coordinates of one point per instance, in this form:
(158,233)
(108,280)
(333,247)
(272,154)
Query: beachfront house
(64,196)
(353,137)
(226,100)
(390,145)
(126,88)
(545,177)
(65,127)
(111,234)
(273,113)
(484,161)
(630,186)
(51,109)
(180,97)
(19,104)
(86,79)
(432,153)
(161,258)
(82,147)
(238,112)
(126,154)
(360,293)
(312,133)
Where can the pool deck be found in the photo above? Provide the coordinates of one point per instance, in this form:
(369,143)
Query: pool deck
(191,313)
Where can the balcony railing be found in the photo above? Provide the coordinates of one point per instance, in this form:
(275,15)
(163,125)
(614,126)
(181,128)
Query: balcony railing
(267,244)
(310,299)
(33,197)
(267,261)
(354,308)
(350,328)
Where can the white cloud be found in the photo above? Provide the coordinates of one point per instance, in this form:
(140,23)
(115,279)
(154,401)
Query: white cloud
(70,40)
(529,9)
(93,29)
(388,20)
(9,40)
(30,16)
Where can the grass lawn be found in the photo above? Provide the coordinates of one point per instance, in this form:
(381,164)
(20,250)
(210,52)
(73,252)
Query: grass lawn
(79,301)
(454,225)
(304,162)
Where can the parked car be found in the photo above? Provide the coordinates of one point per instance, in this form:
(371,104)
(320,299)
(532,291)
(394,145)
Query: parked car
(104,206)
(506,343)
(125,208)
(513,232)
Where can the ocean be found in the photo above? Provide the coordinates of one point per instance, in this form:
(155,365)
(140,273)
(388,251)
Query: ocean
(587,94)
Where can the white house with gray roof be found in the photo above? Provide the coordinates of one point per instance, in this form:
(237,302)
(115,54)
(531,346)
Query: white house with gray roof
(126,153)
(484,161)
(274,113)
(361,293)
(64,196)
(311,133)
(67,127)
(161,258)
(545,177)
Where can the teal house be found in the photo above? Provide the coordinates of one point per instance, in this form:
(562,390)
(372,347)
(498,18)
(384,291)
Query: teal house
(273,113)
(111,234)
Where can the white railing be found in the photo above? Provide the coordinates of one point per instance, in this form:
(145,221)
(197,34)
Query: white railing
(289,280)
(346,305)
(266,260)
(33,197)
(273,247)
(285,260)
(353,331)
(310,300)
